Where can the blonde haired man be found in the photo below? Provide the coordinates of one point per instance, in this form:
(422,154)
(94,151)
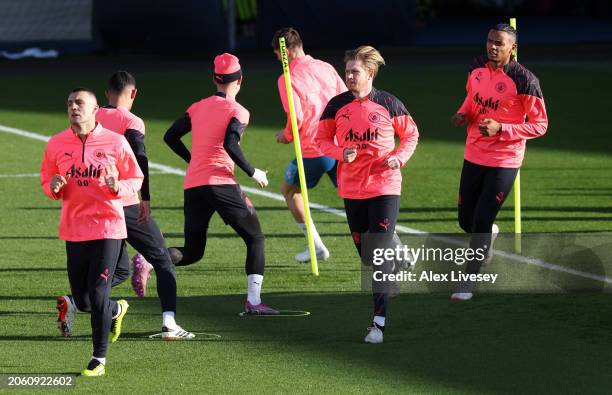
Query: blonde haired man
(358,129)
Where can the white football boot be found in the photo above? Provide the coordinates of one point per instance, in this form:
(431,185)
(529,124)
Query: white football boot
(374,336)
(304,256)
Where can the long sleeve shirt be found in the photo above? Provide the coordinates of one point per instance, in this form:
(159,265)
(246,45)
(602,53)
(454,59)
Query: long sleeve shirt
(510,95)
(216,123)
(314,83)
(90,210)
(370,125)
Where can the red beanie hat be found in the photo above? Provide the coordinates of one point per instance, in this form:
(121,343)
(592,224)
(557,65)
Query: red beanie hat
(227,68)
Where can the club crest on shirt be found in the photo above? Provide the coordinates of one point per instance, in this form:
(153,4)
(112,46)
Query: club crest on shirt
(374,117)
(99,154)
(500,87)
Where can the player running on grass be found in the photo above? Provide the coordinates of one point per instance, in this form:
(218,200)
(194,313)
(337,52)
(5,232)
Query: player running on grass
(217,124)
(91,169)
(504,107)
(358,129)
(142,231)
(314,83)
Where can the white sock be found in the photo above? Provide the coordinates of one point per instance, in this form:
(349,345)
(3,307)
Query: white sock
(315,235)
(378,320)
(168,319)
(101,360)
(119,310)
(254,282)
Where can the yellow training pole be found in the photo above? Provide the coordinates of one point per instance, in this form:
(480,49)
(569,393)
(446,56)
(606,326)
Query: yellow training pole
(298,155)
(517,186)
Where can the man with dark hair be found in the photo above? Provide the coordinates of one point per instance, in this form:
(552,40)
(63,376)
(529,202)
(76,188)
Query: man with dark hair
(314,83)
(143,233)
(217,124)
(358,129)
(120,81)
(87,163)
(504,107)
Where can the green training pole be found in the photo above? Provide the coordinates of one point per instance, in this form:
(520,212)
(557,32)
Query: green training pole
(298,155)
(517,186)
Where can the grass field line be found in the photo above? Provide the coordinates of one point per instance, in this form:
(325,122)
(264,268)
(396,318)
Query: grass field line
(334,211)
(20,175)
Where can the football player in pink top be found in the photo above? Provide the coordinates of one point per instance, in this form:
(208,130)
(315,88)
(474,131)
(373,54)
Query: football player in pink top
(504,107)
(314,83)
(217,123)
(143,233)
(91,169)
(358,128)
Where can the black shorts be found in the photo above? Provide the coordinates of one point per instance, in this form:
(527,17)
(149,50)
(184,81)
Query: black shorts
(227,199)
(482,192)
(147,239)
(91,266)
(373,215)
(142,236)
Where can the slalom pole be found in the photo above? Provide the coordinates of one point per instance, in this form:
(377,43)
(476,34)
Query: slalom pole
(517,186)
(298,155)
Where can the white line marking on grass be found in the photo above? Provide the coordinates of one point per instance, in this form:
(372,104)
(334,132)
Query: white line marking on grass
(341,213)
(24,133)
(23,175)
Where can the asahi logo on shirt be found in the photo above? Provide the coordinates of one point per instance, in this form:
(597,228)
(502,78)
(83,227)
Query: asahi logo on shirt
(488,103)
(87,172)
(368,135)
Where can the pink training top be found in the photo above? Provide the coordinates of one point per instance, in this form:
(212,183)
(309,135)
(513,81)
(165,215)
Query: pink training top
(510,95)
(120,120)
(370,125)
(210,164)
(314,83)
(90,211)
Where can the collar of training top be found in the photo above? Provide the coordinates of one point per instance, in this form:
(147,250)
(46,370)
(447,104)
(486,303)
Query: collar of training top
(95,130)
(369,97)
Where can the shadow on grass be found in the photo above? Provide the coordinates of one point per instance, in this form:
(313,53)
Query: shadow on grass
(404,209)
(295,235)
(492,344)
(408,220)
(28,237)
(32,269)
